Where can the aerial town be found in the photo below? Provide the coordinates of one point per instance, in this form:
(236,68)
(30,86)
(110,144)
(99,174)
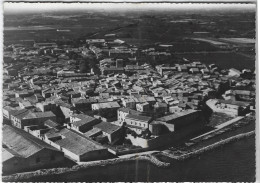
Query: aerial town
(56,108)
(136,95)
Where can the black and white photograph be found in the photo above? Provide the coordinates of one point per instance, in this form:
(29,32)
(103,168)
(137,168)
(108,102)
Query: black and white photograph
(129,92)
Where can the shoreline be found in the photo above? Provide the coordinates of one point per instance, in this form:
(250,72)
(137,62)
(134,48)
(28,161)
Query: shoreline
(47,172)
(216,145)
(149,157)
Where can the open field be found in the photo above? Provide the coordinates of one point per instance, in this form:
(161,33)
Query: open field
(192,46)
(219,118)
(239,40)
(209,41)
(28,28)
(224,60)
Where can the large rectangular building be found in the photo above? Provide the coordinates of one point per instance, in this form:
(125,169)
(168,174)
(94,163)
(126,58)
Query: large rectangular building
(25,117)
(76,146)
(137,123)
(181,119)
(21,151)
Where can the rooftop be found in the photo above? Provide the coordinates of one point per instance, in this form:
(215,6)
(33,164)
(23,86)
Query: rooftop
(107,105)
(22,142)
(84,119)
(75,142)
(32,115)
(176,115)
(139,118)
(231,102)
(107,127)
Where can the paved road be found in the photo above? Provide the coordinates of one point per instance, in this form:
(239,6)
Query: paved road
(123,156)
(138,154)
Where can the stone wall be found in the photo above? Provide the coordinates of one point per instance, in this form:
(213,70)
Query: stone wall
(61,171)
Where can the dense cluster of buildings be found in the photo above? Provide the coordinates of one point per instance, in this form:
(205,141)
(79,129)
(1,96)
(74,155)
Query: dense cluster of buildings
(52,111)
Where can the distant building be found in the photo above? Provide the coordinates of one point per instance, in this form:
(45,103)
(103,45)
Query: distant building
(82,123)
(23,93)
(234,108)
(111,131)
(95,41)
(244,95)
(175,109)
(234,72)
(137,123)
(24,104)
(129,102)
(46,106)
(160,109)
(133,68)
(26,118)
(66,111)
(194,70)
(7,110)
(239,95)
(119,63)
(183,68)
(107,105)
(43,45)
(123,112)
(121,53)
(204,71)
(162,69)
(11,72)
(83,103)
(115,70)
(143,107)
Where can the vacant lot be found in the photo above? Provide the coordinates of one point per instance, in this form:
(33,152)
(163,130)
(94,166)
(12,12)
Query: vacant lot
(219,118)
(14,36)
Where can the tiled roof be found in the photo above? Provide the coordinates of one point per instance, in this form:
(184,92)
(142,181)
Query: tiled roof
(107,127)
(8,154)
(107,105)
(176,116)
(231,102)
(51,123)
(75,142)
(39,115)
(139,118)
(84,119)
(92,132)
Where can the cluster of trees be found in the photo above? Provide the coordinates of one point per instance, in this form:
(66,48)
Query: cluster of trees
(87,63)
(84,65)
(146,134)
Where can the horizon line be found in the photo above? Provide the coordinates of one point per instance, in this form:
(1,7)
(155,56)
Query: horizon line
(140,1)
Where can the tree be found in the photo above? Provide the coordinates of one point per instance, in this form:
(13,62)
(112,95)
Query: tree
(87,63)
(146,133)
(134,134)
(83,66)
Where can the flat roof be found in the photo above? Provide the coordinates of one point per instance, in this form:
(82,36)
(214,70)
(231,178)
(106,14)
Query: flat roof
(177,115)
(107,127)
(231,102)
(75,142)
(22,142)
(139,118)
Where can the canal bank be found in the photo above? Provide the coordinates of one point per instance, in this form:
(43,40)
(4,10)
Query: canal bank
(217,165)
(212,146)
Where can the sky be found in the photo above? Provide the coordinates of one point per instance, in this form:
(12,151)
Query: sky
(43,7)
